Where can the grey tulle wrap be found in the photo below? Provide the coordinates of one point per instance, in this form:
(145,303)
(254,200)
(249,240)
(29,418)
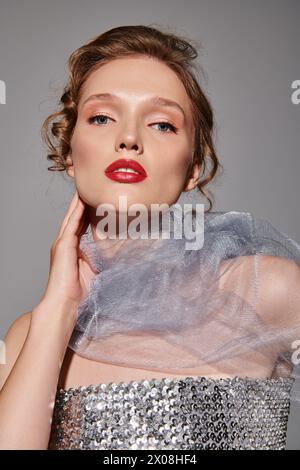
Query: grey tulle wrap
(154,304)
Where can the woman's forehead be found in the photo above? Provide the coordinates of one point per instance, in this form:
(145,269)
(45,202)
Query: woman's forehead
(135,78)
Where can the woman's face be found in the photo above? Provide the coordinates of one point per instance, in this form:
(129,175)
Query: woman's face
(130,126)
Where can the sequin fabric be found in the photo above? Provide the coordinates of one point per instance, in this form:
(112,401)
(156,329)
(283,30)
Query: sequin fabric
(189,413)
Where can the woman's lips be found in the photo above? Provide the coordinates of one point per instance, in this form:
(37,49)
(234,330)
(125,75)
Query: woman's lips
(125,177)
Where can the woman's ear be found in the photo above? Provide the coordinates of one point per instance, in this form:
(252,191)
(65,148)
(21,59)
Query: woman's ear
(70,167)
(193,179)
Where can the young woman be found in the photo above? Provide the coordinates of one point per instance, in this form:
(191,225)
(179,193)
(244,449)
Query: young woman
(143,343)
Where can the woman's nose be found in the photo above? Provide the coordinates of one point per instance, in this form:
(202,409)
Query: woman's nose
(129,146)
(129,139)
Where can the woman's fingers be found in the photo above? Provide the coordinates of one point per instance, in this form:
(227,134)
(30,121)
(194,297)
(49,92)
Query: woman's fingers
(73,223)
(71,209)
(72,205)
(84,223)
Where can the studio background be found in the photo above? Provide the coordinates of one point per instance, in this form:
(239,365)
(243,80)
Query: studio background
(250,54)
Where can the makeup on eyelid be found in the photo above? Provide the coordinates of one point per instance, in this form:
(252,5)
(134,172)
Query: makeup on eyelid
(172,114)
(172,128)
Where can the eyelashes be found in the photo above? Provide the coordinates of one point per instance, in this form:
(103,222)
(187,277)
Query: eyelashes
(94,120)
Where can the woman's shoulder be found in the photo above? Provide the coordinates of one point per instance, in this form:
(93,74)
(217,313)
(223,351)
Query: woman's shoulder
(13,343)
(17,332)
(280,288)
(277,283)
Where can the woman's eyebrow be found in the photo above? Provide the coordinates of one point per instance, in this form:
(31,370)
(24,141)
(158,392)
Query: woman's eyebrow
(158,100)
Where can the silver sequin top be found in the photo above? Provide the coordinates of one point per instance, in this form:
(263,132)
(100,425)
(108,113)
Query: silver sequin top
(189,413)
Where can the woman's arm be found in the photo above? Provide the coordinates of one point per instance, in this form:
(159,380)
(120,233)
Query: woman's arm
(27,396)
(30,381)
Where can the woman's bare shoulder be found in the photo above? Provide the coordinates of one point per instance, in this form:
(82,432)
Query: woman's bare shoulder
(285,272)
(277,280)
(280,289)
(18,330)
(12,344)
(20,321)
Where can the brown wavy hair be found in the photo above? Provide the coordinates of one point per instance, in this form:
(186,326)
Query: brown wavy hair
(178,52)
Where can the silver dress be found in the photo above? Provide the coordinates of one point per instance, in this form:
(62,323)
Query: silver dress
(187,308)
(189,413)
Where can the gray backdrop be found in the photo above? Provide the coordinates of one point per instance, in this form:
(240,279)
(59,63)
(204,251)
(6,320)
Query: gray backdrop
(251,57)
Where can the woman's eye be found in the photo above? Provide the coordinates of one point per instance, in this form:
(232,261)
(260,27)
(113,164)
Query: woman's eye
(95,118)
(99,121)
(169,125)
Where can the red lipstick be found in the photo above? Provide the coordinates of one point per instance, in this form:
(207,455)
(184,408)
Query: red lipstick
(114,172)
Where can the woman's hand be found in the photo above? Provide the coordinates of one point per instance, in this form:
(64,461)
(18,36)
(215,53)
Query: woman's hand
(37,346)
(69,273)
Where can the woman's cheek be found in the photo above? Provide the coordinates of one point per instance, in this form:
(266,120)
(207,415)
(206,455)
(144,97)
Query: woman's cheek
(180,164)
(85,154)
